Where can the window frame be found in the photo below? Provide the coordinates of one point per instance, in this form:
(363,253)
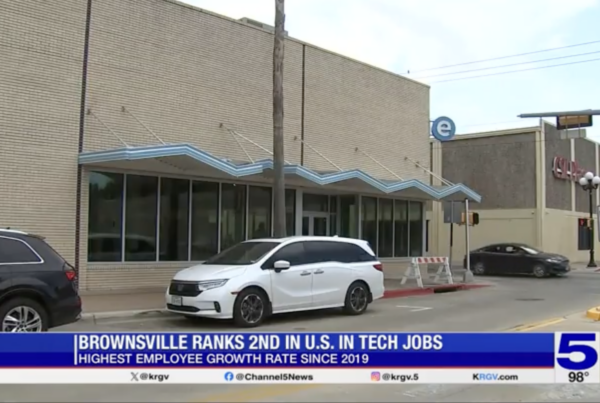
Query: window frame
(41,260)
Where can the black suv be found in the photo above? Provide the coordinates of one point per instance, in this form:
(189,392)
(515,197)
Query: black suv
(37,286)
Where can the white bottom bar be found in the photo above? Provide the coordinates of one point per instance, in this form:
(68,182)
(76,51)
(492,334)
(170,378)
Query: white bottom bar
(280,375)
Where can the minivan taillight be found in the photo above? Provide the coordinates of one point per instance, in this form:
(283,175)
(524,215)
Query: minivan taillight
(378,267)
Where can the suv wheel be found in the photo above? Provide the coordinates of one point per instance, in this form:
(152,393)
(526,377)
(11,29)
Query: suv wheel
(250,308)
(357,298)
(23,315)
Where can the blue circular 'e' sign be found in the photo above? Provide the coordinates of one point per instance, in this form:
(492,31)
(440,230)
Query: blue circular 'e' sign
(443,128)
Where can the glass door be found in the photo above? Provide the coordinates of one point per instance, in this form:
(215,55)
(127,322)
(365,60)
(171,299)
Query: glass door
(315,224)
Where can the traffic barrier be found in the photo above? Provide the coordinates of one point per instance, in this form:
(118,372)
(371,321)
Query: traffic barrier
(413,272)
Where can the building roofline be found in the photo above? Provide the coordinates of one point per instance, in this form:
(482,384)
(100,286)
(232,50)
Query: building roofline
(289,38)
(494,133)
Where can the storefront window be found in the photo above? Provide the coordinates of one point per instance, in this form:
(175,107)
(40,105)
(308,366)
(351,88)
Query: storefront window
(415,216)
(141,198)
(348,216)
(259,212)
(105,217)
(369,221)
(290,212)
(314,202)
(205,220)
(174,219)
(233,214)
(400,228)
(386,228)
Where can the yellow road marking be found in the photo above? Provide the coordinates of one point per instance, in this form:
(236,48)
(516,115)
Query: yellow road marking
(262,393)
(537,325)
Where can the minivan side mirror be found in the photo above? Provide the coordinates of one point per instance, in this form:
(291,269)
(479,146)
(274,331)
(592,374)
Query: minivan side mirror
(281,265)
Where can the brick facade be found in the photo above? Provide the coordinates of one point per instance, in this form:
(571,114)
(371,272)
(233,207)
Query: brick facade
(182,72)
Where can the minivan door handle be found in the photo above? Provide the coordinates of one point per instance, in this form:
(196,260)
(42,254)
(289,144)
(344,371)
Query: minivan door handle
(305,273)
(319,272)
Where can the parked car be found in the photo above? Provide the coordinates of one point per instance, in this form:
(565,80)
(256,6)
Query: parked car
(255,279)
(37,286)
(517,258)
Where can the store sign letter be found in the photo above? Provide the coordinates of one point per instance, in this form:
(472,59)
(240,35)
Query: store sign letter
(562,168)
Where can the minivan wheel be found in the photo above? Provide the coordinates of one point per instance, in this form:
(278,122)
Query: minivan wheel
(357,299)
(250,308)
(23,315)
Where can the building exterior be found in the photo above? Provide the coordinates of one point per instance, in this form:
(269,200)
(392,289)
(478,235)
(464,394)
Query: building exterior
(137,138)
(528,182)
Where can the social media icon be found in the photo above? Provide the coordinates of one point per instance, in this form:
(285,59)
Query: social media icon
(229,376)
(375,376)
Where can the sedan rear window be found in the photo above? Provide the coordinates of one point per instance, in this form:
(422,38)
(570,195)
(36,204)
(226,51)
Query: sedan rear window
(243,253)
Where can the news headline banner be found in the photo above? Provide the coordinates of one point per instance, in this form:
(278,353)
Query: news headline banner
(571,353)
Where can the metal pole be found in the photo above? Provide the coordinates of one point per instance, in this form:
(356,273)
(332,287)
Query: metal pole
(468,274)
(592,262)
(451,232)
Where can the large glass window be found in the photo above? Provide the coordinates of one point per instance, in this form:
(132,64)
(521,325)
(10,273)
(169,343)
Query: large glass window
(205,220)
(348,216)
(315,202)
(105,217)
(140,218)
(259,212)
(242,253)
(290,212)
(386,228)
(174,219)
(415,216)
(233,214)
(369,221)
(400,228)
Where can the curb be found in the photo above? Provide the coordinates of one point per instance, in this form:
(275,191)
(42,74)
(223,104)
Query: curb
(432,290)
(593,313)
(133,314)
(162,313)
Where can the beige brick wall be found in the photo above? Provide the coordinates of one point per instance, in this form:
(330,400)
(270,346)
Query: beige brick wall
(182,72)
(41,51)
(349,105)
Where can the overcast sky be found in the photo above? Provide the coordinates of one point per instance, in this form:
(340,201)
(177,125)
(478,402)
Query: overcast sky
(416,35)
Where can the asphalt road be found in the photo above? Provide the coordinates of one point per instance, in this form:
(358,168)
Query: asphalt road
(511,303)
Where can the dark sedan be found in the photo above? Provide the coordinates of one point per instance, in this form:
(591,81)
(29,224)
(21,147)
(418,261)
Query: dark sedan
(515,258)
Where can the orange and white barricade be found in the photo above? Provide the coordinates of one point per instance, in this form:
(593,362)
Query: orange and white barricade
(442,275)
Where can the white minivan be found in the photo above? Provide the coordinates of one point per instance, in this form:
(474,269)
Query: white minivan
(257,278)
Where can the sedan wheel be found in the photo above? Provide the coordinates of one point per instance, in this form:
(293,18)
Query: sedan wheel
(479,269)
(540,271)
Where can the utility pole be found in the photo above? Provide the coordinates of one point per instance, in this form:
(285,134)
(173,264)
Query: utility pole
(278,151)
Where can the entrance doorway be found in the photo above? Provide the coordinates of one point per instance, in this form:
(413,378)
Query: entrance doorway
(315,223)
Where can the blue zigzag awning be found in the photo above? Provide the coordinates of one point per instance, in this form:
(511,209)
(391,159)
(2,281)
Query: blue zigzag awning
(238,170)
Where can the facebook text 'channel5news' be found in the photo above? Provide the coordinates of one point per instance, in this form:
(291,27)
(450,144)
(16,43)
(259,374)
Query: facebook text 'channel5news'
(257,377)
(145,359)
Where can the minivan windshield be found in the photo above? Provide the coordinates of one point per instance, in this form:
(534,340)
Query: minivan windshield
(243,253)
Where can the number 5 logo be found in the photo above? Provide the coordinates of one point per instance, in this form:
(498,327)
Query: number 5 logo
(577,343)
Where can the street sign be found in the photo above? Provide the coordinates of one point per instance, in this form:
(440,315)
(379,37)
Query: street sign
(443,129)
(452,212)
(573,122)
